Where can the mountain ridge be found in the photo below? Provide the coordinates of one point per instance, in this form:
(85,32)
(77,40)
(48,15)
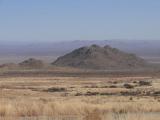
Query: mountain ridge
(97,57)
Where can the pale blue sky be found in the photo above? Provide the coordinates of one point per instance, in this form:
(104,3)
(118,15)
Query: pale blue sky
(54,20)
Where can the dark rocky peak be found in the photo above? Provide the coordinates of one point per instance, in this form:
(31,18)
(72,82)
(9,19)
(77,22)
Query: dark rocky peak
(96,57)
(95,46)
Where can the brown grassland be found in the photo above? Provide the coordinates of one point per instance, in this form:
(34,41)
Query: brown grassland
(73,95)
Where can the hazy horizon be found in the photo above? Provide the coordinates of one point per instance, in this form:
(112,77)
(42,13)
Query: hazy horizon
(32,42)
(49,51)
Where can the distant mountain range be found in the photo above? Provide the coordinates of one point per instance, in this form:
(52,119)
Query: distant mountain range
(147,48)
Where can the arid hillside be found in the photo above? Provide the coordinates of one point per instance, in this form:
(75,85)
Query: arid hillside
(97,57)
(32,63)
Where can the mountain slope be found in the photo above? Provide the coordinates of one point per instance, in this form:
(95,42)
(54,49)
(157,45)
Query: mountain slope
(96,57)
(31,63)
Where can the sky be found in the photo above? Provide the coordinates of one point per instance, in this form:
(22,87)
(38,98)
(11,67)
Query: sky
(56,20)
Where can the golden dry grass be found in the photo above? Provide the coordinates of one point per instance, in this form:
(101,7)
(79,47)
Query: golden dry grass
(38,108)
(87,111)
(22,97)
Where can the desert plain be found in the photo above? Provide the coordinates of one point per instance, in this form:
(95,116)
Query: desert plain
(72,94)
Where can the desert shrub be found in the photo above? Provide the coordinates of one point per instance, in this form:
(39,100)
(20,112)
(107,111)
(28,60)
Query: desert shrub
(157,93)
(134,81)
(112,86)
(144,83)
(108,93)
(92,86)
(131,98)
(53,89)
(131,93)
(128,86)
(78,94)
(91,93)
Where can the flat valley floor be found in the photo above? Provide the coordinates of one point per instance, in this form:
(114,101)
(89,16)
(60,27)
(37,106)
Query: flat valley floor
(73,95)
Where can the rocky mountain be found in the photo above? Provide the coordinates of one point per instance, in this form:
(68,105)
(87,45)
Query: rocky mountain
(8,66)
(31,63)
(47,51)
(97,57)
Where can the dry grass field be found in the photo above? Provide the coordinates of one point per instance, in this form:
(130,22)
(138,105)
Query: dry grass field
(70,96)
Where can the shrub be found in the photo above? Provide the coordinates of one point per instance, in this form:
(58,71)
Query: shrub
(128,86)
